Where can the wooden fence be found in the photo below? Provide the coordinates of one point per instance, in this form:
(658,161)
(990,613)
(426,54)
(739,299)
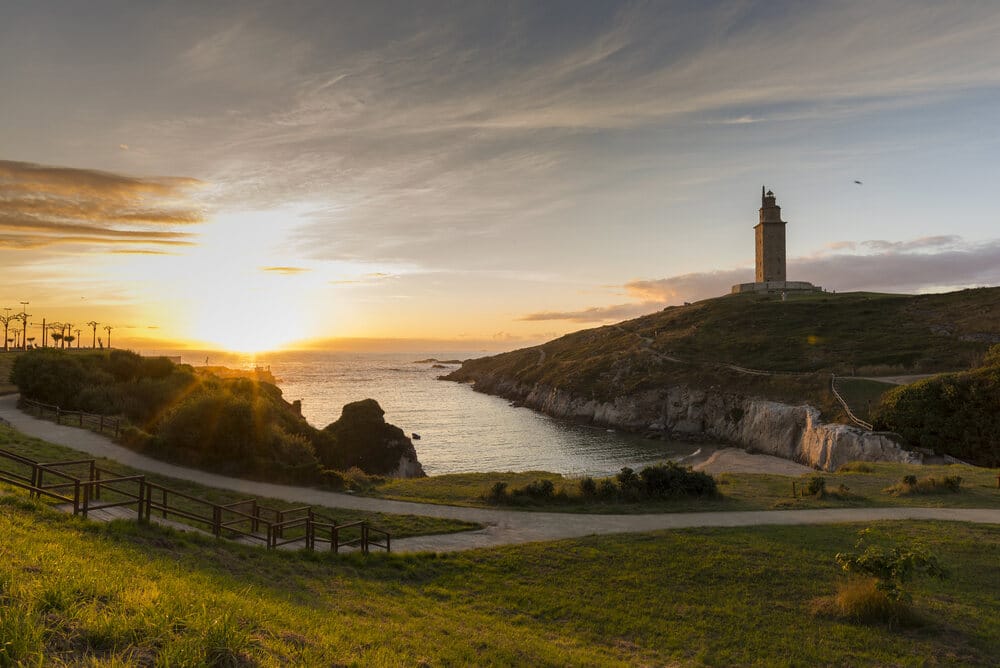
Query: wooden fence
(99,423)
(847,409)
(87,487)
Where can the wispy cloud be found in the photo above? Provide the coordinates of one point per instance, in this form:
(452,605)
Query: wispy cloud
(44,205)
(285,270)
(595,313)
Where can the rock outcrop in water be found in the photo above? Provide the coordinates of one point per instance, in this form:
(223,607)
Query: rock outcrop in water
(362,438)
(793,432)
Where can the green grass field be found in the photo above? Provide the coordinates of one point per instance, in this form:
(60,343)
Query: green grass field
(737,491)
(77,593)
(399,526)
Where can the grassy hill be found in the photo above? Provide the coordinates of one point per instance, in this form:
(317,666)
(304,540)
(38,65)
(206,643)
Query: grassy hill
(75,593)
(851,334)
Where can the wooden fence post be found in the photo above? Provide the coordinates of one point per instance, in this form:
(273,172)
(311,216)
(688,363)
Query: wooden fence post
(217,520)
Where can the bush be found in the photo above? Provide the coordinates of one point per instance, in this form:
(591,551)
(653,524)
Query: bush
(498,492)
(929,485)
(861,601)
(957,414)
(608,489)
(890,565)
(588,488)
(540,489)
(672,479)
(816,486)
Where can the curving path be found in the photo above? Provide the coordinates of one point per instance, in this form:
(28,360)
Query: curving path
(503,527)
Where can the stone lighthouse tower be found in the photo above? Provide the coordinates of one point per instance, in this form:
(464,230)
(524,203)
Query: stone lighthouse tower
(770,246)
(770,233)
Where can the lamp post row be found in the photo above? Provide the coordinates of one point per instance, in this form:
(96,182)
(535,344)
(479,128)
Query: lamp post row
(59,331)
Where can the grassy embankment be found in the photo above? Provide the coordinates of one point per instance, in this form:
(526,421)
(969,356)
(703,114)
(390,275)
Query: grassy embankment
(864,334)
(743,491)
(400,526)
(79,593)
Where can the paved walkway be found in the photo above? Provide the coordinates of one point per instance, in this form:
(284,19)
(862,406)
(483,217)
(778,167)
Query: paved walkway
(503,527)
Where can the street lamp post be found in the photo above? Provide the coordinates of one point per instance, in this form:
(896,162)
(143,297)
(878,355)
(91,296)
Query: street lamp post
(5,319)
(24,317)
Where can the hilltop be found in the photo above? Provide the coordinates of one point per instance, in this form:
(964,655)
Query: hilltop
(850,334)
(715,368)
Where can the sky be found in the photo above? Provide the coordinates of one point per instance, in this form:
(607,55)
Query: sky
(479,175)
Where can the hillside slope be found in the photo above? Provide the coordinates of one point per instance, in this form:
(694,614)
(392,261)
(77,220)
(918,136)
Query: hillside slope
(689,369)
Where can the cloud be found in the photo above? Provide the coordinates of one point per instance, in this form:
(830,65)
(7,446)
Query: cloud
(918,265)
(43,206)
(285,270)
(915,265)
(365,279)
(595,313)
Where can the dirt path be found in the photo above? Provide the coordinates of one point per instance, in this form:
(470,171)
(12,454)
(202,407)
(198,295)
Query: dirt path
(503,527)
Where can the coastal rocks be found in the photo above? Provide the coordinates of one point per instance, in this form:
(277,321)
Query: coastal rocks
(362,438)
(793,432)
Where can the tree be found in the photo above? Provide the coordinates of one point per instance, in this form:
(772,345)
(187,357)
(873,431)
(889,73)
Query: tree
(93,326)
(108,328)
(6,319)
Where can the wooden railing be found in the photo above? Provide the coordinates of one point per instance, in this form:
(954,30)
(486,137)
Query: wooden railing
(88,487)
(847,409)
(99,423)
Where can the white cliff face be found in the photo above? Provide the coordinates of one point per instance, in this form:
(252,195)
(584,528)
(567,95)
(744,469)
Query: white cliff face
(782,430)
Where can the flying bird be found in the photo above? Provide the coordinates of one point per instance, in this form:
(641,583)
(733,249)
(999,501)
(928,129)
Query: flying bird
(858,182)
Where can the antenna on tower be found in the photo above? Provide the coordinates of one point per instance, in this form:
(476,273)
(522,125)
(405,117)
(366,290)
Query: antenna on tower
(762,195)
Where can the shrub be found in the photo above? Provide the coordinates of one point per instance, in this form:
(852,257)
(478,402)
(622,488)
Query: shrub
(358,480)
(816,486)
(928,485)
(607,488)
(588,488)
(890,565)
(672,479)
(540,489)
(498,492)
(861,601)
(956,414)
(627,479)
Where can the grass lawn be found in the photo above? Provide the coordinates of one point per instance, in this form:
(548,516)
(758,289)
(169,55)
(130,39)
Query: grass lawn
(742,491)
(74,593)
(400,526)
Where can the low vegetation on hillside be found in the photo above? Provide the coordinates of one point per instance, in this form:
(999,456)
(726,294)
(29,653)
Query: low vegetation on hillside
(956,414)
(235,426)
(75,593)
(849,334)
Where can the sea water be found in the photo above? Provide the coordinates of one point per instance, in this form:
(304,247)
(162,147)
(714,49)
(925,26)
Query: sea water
(460,430)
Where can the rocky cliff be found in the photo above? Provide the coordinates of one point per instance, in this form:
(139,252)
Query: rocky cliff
(362,438)
(679,411)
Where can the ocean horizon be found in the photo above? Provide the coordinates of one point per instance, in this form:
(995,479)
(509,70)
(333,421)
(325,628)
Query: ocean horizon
(460,430)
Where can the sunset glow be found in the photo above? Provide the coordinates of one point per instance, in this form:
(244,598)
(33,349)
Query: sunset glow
(480,176)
